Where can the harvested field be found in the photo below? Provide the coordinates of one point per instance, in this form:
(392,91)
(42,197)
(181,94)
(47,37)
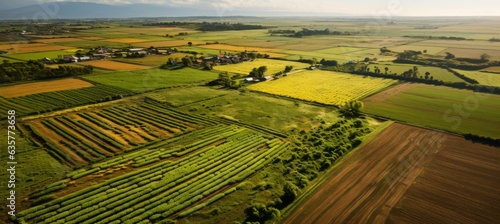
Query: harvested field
(365,186)
(167,43)
(460,185)
(54,40)
(113,65)
(125,40)
(27,48)
(42,87)
(386,94)
(494,69)
(224,47)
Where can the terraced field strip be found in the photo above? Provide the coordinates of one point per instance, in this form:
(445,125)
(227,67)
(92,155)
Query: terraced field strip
(367,185)
(165,188)
(88,137)
(56,100)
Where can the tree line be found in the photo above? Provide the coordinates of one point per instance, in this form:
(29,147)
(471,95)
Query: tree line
(209,26)
(35,70)
(308,32)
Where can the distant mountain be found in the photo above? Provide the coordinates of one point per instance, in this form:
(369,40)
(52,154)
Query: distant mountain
(76,10)
(73,10)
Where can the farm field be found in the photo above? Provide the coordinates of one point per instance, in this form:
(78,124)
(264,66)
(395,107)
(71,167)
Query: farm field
(437,73)
(150,79)
(155,179)
(273,53)
(324,87)
(139,139)
(253,108)
(369,182)
(273,66)
(28,48)
(187,95)
(484,78)
(113,65)
(42,87)
(39,55)
(460,111)
(152,60)
(400,174)
(448,184)
(62,99)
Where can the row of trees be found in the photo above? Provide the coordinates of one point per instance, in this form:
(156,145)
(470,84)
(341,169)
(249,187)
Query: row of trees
(210,26)
(35,70)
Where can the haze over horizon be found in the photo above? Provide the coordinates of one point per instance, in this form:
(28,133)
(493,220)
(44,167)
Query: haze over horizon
(322,8)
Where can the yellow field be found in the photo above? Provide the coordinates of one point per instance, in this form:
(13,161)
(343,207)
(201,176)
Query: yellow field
(324,87)
(42,87)
(270,51)
(113,65)
(54,40)
(27,48)
(168,43)
(92,38)
(124,40)
(273,66)
(494,69)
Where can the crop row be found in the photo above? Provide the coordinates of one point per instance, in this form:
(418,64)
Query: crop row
(49,101)
(52,149)
(160,190)
(160,108)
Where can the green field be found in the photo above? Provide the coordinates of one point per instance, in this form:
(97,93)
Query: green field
(152,60)
(41,169)
(40,55)
(150,79)
(437,73)
(484,78)
(460,111)
(279,114)
(182,96)
(273,66)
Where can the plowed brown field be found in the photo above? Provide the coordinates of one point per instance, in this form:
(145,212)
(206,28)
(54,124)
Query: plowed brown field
(383,182)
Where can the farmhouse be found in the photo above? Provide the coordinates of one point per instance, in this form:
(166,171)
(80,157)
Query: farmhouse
(70,58)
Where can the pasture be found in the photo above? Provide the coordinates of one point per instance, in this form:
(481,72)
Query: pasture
(484,78)
(324,87)
(186,95)
(113,65)
(253,108)
(455,110)
(150,79)
(28,48)
(273,66)
(42,87)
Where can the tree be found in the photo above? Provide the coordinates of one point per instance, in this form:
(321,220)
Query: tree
(262,70)
(367,59)
(225,79)
(386,69)
(485,57)
(449,55)
(427,75)
(288,68)
(352,108)
(190,43)
(415,71)
(187,61)
(314,61)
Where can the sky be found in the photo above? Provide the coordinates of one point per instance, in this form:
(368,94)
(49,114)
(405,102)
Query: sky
(381,8)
